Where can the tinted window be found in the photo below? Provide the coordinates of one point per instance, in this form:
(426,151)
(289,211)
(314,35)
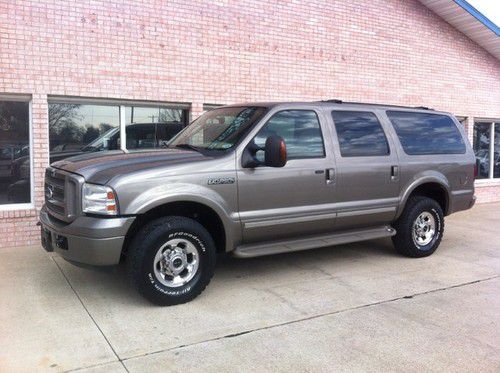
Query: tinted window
(152,127)
(360,134)
(76,128)
(301,131)
(14,152)
(422,133)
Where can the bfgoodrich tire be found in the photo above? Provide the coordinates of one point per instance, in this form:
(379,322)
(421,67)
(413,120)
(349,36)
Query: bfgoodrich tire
(420,227)
(171,260)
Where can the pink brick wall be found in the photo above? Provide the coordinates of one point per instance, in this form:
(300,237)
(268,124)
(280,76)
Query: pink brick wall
(226,51)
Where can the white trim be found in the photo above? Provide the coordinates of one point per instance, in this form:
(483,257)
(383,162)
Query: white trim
(29,205)
(123,139)
(487,182)
(17,207)
(116,102)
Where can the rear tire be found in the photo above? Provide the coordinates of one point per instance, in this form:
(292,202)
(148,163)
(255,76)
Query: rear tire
(420,227)
(171,260)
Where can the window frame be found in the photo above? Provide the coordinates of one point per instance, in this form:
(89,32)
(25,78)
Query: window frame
(293,109)
(121,104)
(27,205)
(388,154)
(491,150)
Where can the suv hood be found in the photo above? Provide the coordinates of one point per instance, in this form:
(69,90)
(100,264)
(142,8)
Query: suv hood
(100,167)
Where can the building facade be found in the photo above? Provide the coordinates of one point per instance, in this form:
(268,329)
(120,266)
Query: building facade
(91,76)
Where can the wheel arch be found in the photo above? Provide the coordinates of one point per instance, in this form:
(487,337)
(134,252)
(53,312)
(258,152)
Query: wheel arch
(211,217)
(432,186)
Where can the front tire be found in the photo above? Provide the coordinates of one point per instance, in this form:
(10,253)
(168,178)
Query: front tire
(171,260)
(420,227)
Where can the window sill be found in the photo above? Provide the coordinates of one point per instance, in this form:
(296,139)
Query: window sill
(487,182)
(17,207)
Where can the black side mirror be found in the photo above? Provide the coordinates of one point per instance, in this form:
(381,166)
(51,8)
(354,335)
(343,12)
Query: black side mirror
(274,153)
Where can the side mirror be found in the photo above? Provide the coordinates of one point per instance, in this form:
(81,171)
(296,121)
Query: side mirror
(275,151)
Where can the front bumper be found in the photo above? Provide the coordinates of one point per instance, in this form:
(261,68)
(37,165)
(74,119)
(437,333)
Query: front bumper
(86,240)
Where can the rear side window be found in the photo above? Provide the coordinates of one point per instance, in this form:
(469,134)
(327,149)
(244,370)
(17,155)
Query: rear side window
(301,131)
(360,134)
(423,133)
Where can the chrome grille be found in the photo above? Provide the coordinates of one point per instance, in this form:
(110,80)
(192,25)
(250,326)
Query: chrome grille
(55,185)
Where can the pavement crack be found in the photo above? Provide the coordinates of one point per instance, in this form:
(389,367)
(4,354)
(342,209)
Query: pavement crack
(233,335)
(91,317)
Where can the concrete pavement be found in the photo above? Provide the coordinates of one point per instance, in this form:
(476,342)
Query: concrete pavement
(357,307)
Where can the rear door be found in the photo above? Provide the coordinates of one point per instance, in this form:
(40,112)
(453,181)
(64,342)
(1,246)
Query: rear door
(368,170)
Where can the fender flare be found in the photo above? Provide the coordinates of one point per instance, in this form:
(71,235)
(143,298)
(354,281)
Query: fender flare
(435,178)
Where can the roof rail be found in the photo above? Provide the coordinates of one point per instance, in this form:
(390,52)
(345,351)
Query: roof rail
(336,101)
(333,100)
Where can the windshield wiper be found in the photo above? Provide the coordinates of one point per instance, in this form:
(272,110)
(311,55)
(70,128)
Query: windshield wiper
(188,146)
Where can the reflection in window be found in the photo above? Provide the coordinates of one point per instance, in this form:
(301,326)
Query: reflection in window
(301,131)
(359,134)
(423,133)
(152,127)
(496,151)
(78,128)
(481,144)
(14,153)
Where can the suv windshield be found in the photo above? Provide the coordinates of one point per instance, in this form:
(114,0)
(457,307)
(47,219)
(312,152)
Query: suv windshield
(218,129)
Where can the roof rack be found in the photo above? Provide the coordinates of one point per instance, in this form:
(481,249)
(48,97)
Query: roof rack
(337,101)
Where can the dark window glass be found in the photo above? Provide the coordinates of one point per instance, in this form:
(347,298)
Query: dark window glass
(481,145)
(152,127)
(301,131)
(359,134)
(496,152)
(423,133)
(79,128)
(14,153)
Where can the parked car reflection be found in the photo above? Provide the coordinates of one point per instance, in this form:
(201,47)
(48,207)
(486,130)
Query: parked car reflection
(15,164)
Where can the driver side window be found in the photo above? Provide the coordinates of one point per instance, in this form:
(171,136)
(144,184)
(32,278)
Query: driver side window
(301,131)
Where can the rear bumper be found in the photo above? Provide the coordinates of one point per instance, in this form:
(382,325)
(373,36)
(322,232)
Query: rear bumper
(461,200)
(87,240)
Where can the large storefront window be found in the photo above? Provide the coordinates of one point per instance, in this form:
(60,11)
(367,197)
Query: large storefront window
(76,128)
(152,127)
(486,143)
(15,162)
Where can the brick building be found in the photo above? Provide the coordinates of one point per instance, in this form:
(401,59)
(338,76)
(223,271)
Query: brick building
(72,75)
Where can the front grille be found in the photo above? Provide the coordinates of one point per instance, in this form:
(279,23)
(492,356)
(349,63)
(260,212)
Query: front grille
(62,193)
(55,184)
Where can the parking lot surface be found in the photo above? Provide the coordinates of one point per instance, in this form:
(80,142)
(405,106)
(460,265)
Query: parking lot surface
(356,307)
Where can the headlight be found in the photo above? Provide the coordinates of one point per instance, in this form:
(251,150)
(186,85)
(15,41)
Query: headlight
(98,199)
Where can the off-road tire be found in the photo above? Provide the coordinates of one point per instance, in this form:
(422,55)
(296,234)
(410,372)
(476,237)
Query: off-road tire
(403,240)
(146,243)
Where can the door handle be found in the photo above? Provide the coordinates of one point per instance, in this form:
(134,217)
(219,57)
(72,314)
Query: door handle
(330,176)
(394,173)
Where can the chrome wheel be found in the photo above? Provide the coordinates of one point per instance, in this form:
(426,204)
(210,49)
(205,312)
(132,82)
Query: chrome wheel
(424,229)
(176,262)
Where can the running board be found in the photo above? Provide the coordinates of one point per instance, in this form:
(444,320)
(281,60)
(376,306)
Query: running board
(286,246)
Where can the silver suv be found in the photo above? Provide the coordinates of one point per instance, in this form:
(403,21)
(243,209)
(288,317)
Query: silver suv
(260,179)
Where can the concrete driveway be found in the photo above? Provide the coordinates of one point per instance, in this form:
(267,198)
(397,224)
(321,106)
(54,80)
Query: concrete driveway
(357,307)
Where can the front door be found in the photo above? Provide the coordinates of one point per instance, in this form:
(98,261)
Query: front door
(294,200)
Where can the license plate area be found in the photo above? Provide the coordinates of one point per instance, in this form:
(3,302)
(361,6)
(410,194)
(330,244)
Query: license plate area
(47,240)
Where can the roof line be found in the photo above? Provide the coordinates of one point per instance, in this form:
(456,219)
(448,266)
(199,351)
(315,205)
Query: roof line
(479,16)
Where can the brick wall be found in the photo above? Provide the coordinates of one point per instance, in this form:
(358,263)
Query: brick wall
(225,51)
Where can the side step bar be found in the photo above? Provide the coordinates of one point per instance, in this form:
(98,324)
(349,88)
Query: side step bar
(285,246)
